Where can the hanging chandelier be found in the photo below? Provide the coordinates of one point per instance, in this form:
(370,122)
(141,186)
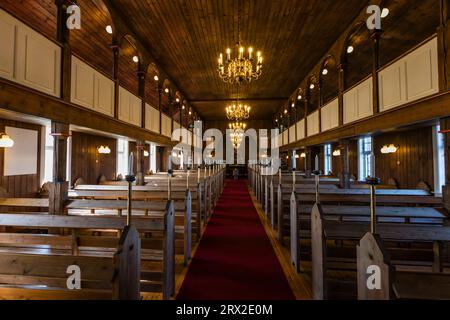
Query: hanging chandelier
(244,67)
(237,111)
(237,133)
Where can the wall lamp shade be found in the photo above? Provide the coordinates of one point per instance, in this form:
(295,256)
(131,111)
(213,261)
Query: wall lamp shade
(104,150)
(303,155)
(337,153)
(146,154)
(297,156)
(6,141)
(389,149)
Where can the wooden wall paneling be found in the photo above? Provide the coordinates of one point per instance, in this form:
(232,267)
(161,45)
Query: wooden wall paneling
(87,163)
(412,163)
(127,67)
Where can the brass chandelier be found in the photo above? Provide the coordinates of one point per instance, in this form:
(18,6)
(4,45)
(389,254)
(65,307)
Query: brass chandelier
(237,133)
(244,67)
(238,112)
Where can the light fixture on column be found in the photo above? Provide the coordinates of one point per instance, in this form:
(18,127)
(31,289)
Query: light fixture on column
(104,150)
(6,141)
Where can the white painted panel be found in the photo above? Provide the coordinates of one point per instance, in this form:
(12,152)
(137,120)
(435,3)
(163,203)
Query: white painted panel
(151,118)
(301,130)
(422,77)
(285,137)
(82,84)
(21,159)
(124,105)
(358,102)
(104,94)
(292,135)
(280,140)
(38,61)
(365,100)
(330,115)
(8,30)
(312,124)
(166,126)
(135,110)
(176,126)
(392,86)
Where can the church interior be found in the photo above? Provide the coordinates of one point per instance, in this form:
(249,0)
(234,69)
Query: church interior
(206,150)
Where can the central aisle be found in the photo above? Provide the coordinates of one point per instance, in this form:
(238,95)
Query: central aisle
(235,259)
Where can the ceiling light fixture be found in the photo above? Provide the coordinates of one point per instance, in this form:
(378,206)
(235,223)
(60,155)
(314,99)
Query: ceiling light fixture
(135,59)
(109,29)
(350,49)
(325,72)
(156,78)
(245,67)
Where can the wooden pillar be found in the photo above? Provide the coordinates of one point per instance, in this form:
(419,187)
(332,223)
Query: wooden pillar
(345,164)
(58,189)
(445,125)
(308,161)
(63,37)
(141,91)
(376,35)
(159,88)
(342,85)
(443,33)
(116,53)
(140,170)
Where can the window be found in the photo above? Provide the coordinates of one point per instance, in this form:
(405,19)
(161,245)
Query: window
(122,157)
(439,160)
(327,157)
(366,167)
(48,156)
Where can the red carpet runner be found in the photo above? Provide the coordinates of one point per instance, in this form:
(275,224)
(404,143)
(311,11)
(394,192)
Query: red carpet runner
(235,259)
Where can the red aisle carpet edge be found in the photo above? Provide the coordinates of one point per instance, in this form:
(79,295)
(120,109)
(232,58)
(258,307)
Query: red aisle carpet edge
(235,259)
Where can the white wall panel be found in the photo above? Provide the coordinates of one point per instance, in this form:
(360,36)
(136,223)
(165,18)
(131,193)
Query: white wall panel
(8,31)
(301,130)
(358,102)
(82,84)
(27,57)
(422,78)
(129,107)
(312,124)
(104,95)
(166,126)
(392,86)
(292,135)
(285,137)
(330,115)
(151,118)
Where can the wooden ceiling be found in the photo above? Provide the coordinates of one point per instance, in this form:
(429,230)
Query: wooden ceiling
(186,38)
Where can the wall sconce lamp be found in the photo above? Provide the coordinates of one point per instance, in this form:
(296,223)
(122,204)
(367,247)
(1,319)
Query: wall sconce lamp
(146,154)
(104,150)
(389,149)
(303,155)
(337,153)
(297,156)
(6,141)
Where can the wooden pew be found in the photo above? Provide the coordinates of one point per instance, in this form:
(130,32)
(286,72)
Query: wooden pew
(33,266)
(324,230)
(157,255)
(142,209)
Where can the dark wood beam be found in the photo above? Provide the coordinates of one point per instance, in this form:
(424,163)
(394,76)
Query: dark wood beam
(20,99)
(445,126)
(423,110)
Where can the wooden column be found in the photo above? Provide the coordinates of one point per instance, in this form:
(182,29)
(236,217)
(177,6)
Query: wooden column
(345,164)
(159,88)
(443,33)
(445,125)
(63,36)
(141,91)
(342,85)
(58,189)
(116,53)
(140,170)
(376,35)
